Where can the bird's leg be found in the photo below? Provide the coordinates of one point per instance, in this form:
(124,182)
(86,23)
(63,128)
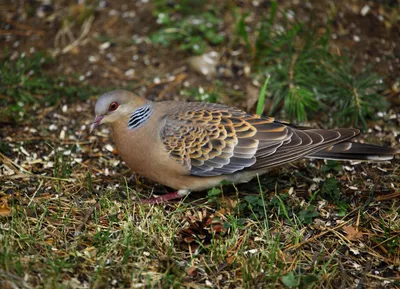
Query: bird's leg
(166,198)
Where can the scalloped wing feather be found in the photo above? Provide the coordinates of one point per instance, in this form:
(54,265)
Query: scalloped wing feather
(213,140)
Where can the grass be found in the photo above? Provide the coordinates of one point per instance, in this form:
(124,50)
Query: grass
(92,232)
(121,248)
(27,86)
(114,242)
(69,217)
(261,97)
(192,31)
(306,76)
(95,234)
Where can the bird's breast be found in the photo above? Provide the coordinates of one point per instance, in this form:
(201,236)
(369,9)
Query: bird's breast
(143,151)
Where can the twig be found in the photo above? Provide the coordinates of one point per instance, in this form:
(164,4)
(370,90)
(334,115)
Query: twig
(317,236)
(78,42)
(383,278)
(388,197)
(34,194)
(27,30)
(13,166)
(178,79)
(14,278)
(30,175)
(15,32)
(23,26)
(383,242)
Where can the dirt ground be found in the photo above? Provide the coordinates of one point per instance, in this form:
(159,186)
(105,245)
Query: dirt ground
(112,49)
(372,38)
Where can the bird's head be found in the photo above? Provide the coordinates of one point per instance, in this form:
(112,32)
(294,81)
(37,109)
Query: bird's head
(114,105)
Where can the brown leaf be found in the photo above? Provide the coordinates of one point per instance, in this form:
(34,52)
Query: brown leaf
(252,93)
(192,271)
(5,210)
(352,233)
(49,241)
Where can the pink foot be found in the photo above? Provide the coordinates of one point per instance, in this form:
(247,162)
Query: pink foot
(165,198)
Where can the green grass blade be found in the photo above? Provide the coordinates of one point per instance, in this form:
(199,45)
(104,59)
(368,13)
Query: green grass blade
(261,97)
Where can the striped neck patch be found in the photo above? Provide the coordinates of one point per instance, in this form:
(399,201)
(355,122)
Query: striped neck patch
(140,116)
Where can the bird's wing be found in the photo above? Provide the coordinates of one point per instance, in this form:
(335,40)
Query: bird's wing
(212,140)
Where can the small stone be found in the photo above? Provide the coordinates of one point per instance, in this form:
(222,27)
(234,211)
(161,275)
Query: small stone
(104,45)
(111,57)
(93,59)
(62,134)
(251,251)
(364,11)
(109,147)
(52,127)
(130,72)
(23,150)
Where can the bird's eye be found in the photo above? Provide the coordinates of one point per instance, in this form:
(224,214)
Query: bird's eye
(113,106)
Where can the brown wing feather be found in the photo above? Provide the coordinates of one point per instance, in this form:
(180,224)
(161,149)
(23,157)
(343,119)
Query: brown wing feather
(212,140)
(302,144)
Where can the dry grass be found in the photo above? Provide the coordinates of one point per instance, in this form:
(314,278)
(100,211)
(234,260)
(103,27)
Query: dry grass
(76,224)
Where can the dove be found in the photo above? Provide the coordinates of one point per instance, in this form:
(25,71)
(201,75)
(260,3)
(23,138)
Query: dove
(194,146)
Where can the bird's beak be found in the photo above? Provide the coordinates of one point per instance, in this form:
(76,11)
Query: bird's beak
(97,121)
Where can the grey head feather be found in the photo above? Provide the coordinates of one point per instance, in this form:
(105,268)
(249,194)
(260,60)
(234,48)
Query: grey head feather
(104,101)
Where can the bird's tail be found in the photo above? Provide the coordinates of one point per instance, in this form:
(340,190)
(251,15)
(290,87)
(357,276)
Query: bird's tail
(356,151)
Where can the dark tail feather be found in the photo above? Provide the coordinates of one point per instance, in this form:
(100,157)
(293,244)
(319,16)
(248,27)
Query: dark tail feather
(356,151)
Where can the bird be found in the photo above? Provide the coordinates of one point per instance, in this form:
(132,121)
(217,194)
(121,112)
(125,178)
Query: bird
(194,146)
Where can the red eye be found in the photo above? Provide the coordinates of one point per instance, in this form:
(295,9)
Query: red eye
(113,106)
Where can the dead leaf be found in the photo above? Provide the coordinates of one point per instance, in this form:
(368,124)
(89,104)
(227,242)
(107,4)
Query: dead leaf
(352,233)
(252,93)
(192,271)
(5,210)
(49,241)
